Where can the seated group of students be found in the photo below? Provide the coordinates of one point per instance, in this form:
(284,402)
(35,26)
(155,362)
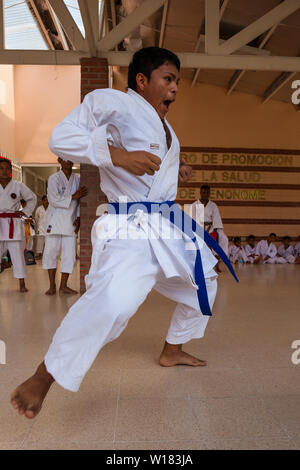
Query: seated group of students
(265,251)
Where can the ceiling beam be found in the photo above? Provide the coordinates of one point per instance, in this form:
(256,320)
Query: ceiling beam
(237,76)
(212,26)
(277,84)
(101,21)
(38,57)
(188,60)
(163,24)
(93,8)
(41,24)
(131,22)
(114,17)
(244,49)
(70,27)
(2,36)
(231,62)
(87,12)
(259,26)
(60,34)
(195,77)
(223,6)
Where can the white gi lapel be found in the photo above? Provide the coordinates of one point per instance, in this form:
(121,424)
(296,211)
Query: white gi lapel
(164,185)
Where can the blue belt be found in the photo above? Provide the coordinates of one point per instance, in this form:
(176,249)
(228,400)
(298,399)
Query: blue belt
(188,226)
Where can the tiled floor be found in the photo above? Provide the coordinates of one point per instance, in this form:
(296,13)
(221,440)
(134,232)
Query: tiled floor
(248,397)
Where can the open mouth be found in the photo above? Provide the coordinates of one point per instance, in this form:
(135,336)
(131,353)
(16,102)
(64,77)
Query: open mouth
(167,103)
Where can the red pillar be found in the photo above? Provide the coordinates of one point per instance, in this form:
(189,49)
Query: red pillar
(94,74)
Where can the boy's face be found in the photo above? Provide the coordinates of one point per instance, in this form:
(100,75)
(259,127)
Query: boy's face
(5,171)
(271,239)
(286,243)
(238,243)
(65,164)
(160,91)
(251,242)
(204,194)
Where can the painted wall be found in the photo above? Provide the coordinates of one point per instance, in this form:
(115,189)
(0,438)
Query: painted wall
(44,95)
(7,111)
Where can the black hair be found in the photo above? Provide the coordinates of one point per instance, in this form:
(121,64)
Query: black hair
(286,238)
(205,186)
(43,197)
(251,237)
(236,239)
(272,234)
(6,160)
(148,59)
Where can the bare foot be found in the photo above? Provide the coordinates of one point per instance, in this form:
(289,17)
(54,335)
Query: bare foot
(172,355)
(28,398)
(67,290)
(22,286)
(51,291)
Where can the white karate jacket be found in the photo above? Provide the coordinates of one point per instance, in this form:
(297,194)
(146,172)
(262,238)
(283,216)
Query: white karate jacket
(262,248)
(62,210)
(10,198)
(40,220)
(128,121)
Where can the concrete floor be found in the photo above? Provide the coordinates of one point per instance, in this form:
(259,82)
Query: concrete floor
(246,398)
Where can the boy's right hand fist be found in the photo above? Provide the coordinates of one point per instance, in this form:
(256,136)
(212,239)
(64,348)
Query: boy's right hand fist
(138,162)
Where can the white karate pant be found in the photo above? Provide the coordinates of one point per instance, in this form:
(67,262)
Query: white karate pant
(40,243)
(275,260)
(121,276)
(53,244)
(290,259)
(16,251)
(223,240)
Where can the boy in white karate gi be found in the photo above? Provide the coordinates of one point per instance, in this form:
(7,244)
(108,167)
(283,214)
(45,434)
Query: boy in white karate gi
(297,251)
(12,235)
(212,218)
(116,132)
(236,251)
(266,252)
(250,249)
(287,251)
(62,225)
(40,220)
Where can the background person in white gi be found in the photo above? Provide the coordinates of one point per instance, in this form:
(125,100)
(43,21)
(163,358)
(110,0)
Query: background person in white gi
(40,220)
(250,248)
(212,218)
(236,251)
(297,251)
(266,252)
(12,236)
(124,271)
(62,225)
(286,250)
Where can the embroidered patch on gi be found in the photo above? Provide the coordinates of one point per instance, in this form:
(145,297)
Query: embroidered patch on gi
(154,146)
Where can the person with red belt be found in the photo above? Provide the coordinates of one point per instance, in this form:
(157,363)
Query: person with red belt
(11,225)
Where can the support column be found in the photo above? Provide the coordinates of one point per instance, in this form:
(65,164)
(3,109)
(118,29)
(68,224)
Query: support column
(94,75)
